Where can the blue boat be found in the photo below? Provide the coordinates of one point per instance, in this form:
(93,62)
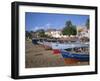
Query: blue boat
(77,56)
(66,53)
(35,41)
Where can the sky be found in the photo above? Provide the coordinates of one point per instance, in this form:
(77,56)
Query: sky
(36,21)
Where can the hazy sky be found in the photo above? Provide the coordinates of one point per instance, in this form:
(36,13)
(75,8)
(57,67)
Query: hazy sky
(35,21)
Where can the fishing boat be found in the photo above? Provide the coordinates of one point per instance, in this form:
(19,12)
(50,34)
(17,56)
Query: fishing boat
(68,45)
(77,56)
(45,44)
(77,51)
(67,50)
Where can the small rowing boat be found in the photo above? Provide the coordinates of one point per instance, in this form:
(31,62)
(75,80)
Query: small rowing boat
(77,56)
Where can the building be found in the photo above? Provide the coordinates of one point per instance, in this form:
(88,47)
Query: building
(57,34)
(54,33)
(82,31)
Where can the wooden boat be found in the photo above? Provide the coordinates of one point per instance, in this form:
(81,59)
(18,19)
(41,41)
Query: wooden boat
(78,56)
(68,45)
(60,48)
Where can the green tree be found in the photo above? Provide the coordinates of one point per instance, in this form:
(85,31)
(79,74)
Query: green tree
(88,23)
(69,29)
(41,33)
(28,34)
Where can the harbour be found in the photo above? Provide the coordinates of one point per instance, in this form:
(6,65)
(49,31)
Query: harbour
(58,43)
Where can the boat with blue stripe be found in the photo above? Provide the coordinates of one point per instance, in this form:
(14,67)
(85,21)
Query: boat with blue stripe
(78,51)
(78,56)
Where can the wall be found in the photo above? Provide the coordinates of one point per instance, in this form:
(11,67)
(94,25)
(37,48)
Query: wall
(5,40)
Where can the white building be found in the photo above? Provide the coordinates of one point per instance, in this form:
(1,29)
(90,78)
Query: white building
(54,33)
(57,34)
(83,32)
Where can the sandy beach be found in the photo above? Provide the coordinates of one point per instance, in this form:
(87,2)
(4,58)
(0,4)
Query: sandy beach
(38,56)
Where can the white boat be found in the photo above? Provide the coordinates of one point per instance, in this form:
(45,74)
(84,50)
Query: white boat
(68,45)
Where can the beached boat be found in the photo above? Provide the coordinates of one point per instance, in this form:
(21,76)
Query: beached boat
(63,49)
(78,56)
(78,51)
(68,45)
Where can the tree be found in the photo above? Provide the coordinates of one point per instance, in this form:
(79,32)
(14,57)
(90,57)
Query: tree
(88,23)
(41,33)
(69,29)
(28,34)
(68,24)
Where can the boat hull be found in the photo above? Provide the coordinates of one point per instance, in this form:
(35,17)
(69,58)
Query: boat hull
(68,45)
(80,57)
